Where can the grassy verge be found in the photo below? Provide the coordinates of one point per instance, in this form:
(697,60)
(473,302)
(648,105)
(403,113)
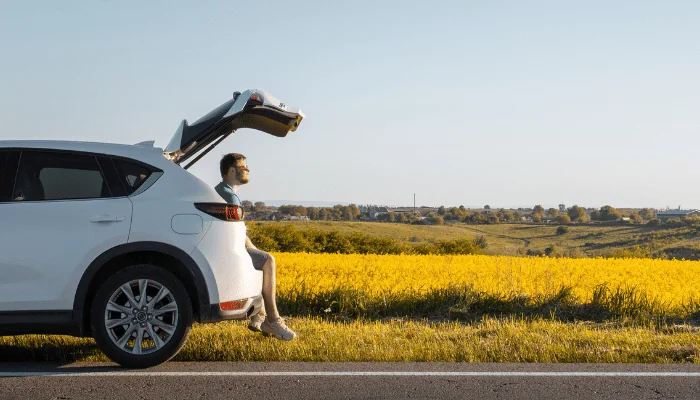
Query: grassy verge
(490,340)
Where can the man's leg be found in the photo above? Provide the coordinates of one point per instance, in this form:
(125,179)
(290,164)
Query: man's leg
(269,289)
(259,259)
(273,324)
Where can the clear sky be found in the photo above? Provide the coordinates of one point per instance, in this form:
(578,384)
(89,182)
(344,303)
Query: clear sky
(492,102)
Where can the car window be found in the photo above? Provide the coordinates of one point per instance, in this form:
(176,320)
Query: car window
(8,169)
(111,175)
(131,174)
(45,175)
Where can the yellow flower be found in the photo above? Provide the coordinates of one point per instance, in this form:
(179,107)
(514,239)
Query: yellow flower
(673,282)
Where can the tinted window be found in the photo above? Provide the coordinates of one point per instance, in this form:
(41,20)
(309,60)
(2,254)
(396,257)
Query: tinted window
(59,176)
(111,175)
(131,174)
(8,169)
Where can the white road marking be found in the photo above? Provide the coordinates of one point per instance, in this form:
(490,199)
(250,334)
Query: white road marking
(356,373)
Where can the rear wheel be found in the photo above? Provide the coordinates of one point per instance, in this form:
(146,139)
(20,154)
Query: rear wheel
(141,316)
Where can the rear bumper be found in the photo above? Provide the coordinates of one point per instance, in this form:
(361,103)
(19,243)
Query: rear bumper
(216,314)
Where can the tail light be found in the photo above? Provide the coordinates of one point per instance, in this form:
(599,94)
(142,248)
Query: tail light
(255,100)
(226,212)
(233,305)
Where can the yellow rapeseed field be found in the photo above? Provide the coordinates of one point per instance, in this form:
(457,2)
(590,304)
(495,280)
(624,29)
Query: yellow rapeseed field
(379,308)
(673,282)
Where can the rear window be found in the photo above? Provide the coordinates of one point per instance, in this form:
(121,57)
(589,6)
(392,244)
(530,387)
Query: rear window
(132,174)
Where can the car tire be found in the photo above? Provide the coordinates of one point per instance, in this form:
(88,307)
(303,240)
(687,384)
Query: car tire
(123,331)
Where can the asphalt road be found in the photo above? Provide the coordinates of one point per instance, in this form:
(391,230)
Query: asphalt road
(350,381)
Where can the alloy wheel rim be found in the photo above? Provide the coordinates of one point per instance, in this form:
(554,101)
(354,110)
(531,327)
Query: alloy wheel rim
(141,316)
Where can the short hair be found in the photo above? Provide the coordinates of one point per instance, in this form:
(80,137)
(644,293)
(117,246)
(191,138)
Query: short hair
(228,161)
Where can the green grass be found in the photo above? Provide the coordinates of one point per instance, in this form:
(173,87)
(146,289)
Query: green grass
(490,340)
(517,239)
(452,324)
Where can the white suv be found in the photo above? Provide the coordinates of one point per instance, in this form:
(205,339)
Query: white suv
(121,243)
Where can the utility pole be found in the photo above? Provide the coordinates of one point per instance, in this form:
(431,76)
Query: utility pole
(414,203)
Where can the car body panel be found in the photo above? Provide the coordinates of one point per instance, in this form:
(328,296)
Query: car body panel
(231,266)
(174,193)
(47,245)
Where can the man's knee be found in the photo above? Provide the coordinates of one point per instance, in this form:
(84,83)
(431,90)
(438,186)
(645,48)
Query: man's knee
(270,262)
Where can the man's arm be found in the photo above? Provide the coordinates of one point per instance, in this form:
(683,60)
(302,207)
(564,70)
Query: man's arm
(248,243)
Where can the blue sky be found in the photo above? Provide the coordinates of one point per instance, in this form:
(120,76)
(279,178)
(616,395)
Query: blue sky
(502,103)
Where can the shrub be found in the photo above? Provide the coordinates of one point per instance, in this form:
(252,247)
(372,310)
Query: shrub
(435,219)
(562,230)
(630,252)
(563,219)
(654,222)
(575,252)
(551,251)
(457,246)
(691,220)
(285,238)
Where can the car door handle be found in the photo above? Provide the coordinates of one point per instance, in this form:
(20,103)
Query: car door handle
(106,218)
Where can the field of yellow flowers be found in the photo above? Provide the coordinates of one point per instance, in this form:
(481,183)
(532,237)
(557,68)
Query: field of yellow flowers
(450,308)
(672,285)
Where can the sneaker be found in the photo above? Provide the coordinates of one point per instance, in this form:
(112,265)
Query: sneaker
(255,322)
(277,329)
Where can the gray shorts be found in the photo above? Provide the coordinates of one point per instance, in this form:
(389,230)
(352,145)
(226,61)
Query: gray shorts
(259,258)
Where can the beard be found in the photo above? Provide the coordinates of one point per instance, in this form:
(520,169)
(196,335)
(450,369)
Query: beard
(242,177)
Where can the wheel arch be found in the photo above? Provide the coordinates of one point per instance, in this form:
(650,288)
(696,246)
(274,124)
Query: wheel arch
(162,255)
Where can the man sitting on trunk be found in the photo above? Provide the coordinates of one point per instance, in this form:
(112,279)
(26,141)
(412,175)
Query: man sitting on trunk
(235,173)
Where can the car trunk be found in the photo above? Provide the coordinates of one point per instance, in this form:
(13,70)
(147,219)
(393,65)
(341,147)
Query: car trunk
(253,109)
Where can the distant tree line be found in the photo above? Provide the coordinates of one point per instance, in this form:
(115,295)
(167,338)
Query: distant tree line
(285,238)
(260,210)
(440,215)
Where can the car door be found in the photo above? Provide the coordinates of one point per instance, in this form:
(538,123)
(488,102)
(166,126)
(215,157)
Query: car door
(253,109)
(61,215)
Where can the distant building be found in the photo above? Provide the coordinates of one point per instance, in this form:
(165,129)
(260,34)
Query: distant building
(376,212)
(669,214)
(297,218)
(402,210)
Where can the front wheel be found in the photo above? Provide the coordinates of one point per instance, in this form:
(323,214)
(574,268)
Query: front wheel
(141,316)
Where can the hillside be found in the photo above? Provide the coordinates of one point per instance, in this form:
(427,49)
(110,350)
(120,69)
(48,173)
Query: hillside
(517,239)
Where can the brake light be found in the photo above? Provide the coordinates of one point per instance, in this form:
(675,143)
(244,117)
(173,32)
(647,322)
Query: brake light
(255,100)
(223,211)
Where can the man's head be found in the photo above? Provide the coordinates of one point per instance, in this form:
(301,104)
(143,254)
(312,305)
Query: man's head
(234,170)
